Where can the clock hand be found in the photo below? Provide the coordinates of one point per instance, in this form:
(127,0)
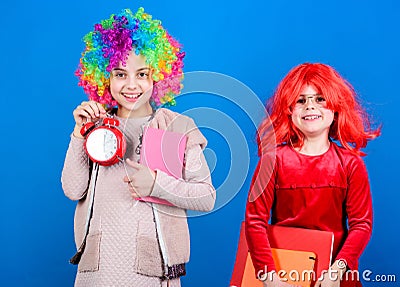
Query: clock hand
(104,143)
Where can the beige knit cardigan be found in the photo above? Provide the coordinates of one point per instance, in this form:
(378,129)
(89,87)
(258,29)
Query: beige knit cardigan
(194,191)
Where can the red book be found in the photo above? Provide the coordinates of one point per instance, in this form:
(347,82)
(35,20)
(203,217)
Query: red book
(162,150)
(302,239)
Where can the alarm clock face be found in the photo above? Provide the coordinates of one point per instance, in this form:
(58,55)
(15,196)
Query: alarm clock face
(101,144)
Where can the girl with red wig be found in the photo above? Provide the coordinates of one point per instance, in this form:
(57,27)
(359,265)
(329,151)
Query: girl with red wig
(310,173)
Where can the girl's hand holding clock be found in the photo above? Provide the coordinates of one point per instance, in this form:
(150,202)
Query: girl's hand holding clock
(85,112)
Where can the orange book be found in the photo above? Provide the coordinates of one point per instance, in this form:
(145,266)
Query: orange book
(294,267)
(298,254)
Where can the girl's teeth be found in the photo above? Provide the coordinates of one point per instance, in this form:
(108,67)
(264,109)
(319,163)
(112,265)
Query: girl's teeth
(311,117)
(132,96)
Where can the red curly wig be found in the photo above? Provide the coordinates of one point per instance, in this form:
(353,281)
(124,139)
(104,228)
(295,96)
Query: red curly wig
(351,126)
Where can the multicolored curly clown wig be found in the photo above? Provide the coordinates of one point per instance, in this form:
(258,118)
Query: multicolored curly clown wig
(110,43)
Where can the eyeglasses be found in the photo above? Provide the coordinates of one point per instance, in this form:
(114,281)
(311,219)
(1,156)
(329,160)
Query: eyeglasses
(317,99)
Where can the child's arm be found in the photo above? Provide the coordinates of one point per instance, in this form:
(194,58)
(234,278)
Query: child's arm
(195,191)
(359,212)
(75,173)
(258,209)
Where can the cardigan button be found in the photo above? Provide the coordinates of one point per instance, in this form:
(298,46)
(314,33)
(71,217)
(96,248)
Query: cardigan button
(293,186)
(313,185)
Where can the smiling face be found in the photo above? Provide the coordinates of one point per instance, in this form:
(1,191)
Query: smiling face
(311,115)
(131,86)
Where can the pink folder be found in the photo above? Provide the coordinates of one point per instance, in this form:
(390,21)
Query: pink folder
(163,150)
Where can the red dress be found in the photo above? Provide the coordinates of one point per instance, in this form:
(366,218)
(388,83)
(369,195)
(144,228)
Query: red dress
(326,192)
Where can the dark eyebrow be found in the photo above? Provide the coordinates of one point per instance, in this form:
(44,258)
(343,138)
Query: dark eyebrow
(312,95)
(138,70)
(118,69)
(143,69)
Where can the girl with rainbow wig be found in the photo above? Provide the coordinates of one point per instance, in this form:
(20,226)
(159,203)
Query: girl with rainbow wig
(310,173)
(110,43)
(132,68)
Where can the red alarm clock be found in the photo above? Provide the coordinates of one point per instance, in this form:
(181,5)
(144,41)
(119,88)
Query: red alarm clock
(105,144)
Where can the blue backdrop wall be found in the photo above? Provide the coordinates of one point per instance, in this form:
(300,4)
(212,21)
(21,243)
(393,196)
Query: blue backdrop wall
(252,43)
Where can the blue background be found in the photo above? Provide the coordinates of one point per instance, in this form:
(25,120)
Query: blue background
(256,42)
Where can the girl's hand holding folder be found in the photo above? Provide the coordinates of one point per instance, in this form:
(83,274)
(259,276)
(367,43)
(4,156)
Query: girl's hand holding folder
(141,181)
